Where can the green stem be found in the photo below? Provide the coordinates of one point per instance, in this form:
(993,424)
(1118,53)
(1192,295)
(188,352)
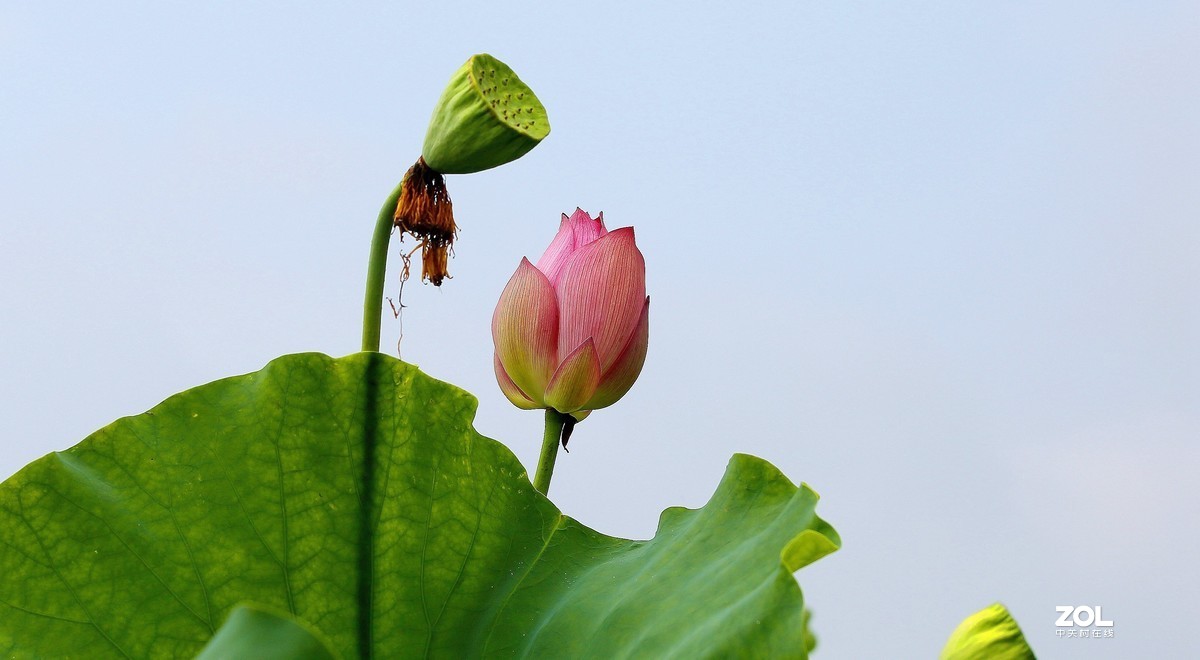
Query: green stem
(554,425)
(376,270)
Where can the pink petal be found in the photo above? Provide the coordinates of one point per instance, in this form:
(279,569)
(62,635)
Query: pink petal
(621,375)
(586,229)
(560,248)
(510,389)
(575,380)
(601,295)
(573,233)
(525,330)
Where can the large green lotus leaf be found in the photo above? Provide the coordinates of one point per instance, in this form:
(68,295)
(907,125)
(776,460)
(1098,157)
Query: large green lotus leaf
(355,495)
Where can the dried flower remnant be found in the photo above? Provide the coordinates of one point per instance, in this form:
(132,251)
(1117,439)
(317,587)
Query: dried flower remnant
(426,213)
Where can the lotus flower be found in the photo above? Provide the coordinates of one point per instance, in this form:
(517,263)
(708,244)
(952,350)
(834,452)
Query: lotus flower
(571,332)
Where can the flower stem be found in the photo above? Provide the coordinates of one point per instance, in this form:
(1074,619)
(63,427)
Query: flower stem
(376,270)
(554,425)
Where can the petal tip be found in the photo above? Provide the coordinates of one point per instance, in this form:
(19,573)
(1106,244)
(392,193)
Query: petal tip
(580,216)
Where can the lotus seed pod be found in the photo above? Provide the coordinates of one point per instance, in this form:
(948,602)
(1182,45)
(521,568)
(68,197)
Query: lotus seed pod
(486,117)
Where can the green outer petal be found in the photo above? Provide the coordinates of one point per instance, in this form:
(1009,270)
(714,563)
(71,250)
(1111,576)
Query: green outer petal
(354,495)
(575,380)
(525,331)
(989,634)
(486,117)
(254,632)
(510,389)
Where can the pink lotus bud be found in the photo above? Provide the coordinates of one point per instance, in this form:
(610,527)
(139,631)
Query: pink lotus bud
(571,332)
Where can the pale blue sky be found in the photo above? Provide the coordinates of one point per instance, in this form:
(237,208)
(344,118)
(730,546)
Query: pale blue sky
(939,261)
